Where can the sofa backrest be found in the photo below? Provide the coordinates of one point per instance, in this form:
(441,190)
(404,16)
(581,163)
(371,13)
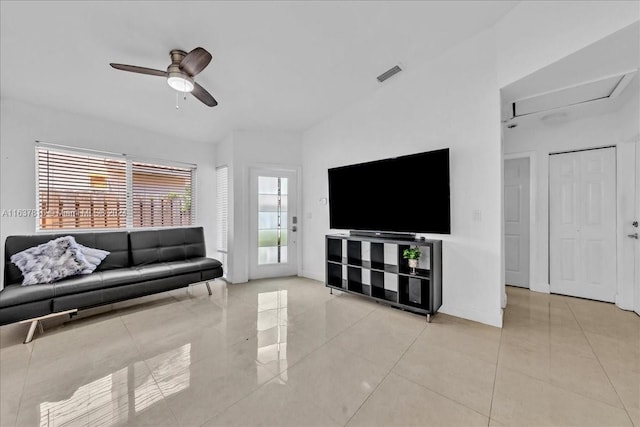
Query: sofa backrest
(115,242)
(163,245)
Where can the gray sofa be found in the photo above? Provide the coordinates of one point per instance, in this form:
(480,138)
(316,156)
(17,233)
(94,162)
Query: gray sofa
(140,263)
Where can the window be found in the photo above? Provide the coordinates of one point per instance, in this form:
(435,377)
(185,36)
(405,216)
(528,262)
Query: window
(81,190)
(161,195)
(272,219)
(222,214)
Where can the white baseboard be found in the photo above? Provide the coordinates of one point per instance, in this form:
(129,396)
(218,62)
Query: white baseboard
(540,287)
(491,319)
(622,304)
(315,275)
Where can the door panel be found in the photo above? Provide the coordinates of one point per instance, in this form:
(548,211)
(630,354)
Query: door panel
(512,203)
(516,217)
(595,255)
(568,259)
(595,195)
(582,222)
(512,252)
(568,203)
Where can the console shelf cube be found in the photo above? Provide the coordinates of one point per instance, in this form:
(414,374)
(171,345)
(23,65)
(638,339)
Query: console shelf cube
(374,268)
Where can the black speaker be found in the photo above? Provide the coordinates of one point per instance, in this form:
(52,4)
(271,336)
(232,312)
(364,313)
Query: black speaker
(415,290)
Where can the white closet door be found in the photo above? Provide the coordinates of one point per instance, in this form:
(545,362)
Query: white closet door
(582,220)
(516,221)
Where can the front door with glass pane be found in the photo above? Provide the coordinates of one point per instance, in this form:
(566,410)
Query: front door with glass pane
(273,223)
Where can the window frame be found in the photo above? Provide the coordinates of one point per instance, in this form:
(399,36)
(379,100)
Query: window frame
(223,252)
(129,160)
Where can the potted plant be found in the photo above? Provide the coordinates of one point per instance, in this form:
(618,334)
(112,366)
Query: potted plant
(412,254)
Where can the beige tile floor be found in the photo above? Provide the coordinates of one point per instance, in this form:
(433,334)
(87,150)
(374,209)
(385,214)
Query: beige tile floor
(285,352)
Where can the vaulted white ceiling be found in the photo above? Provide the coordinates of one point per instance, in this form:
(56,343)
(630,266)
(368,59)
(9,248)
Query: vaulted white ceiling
(276,65)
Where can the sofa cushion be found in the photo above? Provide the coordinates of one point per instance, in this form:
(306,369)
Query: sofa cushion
(154,271)
(115,242)
(17,294)
(119,277)
(97,280)
(192,265)
(131,275)
(77,284)
(156,246)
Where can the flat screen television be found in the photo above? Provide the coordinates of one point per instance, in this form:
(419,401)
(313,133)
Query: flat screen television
(406,194)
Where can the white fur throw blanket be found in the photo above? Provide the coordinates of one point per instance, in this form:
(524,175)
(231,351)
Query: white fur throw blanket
(51,261)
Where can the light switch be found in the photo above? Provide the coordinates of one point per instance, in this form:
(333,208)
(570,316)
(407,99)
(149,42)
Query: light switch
(477,215)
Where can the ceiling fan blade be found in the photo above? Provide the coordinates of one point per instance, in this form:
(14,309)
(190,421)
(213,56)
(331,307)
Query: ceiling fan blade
(141,70)
(195,61)
(204,96)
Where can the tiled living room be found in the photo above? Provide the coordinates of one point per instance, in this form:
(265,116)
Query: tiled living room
(310,213)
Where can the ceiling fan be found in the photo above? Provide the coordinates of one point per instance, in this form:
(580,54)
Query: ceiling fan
(184,67)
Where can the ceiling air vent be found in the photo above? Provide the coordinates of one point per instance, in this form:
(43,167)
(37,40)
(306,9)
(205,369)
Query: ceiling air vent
(389,73)
(608,87)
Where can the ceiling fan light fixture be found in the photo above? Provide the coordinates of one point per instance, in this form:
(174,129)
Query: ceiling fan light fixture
(180,82)
(180,73)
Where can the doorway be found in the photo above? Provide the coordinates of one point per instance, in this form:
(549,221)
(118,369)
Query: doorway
(273,222)
(582,223)
(517,188)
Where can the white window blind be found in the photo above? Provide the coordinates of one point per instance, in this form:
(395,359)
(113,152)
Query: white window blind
(222,206)
(80,191)
(162,195)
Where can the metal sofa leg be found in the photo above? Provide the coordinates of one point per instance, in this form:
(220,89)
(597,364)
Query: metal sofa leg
(190,292)
(32,329)
(36,322)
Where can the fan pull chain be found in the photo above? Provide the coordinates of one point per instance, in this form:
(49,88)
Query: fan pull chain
(177,101)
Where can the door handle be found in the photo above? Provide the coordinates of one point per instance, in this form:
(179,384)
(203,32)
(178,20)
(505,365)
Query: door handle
(633,236)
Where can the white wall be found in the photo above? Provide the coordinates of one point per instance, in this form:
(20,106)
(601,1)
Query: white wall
(452,102)
(23,124)
(535,34)
(240,151)
(615,128)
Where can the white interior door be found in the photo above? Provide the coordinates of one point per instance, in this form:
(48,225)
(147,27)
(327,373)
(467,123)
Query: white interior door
(582,222)
(516,221)
(273,224)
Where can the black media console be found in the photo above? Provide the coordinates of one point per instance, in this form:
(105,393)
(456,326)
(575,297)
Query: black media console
(374,267)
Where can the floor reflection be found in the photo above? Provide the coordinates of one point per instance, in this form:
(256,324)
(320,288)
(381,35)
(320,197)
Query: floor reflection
(272,344)
(117,398)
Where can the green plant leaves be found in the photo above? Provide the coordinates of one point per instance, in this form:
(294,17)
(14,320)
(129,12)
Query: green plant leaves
(411,253)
